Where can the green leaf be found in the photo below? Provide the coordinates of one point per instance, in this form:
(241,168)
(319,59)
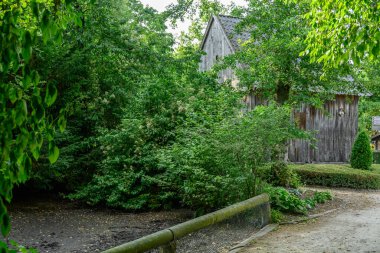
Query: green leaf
(376,49)
(38,109)
(51,94)
(62,123)
(45,19)
(35,10)
(21,112)
(53,153)
(5,224)
(27,47)
(25,169)
(12,94)
(35,152)
(3,247)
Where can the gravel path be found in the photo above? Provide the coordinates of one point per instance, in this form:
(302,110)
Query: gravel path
(355,227)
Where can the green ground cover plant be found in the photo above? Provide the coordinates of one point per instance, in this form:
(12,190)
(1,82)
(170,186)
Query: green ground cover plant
(338,175)
(284,200)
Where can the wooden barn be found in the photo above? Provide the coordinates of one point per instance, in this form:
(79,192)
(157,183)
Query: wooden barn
(336,126)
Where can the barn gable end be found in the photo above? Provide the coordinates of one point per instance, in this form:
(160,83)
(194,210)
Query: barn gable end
(216,45)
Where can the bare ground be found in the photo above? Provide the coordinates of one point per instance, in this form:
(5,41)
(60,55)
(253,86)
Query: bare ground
(50,224)
(355,227)
(55,225)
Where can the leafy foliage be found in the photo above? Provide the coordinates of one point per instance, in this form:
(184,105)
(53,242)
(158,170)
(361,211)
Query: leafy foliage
(285,201)
(361,156)
(231,152)
(280,174)
(276,216)
(102,67)
(343,31)
(212,162)
(290,201)
(25,121)
(322,197)
(273,67)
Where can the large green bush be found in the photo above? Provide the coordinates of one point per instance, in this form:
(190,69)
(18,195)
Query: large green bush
(333,175)
(361,156)
(226,157)
(209,160)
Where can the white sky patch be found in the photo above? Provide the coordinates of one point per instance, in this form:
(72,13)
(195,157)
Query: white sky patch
(160,6)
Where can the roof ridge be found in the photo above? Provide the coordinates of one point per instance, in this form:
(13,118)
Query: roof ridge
(228,16)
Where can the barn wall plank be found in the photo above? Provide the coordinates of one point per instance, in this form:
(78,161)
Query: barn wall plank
(335,135)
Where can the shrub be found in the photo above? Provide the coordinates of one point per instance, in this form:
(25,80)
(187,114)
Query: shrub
(280,174)
(322,197)
(285,201)
(218,165)
(337,176)
(276,216)
(291,201)
(361,156)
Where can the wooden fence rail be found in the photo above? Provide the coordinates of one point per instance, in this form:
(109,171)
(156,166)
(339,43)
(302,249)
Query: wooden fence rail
(166,239)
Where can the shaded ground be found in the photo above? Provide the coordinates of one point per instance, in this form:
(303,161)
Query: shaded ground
(53,225)
(50,224)
(355,227)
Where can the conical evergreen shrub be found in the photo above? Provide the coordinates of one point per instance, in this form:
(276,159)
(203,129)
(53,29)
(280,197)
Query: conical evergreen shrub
(361,155)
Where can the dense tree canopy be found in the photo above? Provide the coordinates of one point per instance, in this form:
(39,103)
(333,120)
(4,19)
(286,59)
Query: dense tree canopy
(343,31)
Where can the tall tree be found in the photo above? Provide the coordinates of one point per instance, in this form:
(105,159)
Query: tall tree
(269,63)
(343,31)
(25,100)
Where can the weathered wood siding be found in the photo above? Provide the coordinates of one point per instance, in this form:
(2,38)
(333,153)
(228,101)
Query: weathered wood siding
(216,47)
(336,127)
(252,100)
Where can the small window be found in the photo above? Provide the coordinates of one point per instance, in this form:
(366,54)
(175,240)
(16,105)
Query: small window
(217,57)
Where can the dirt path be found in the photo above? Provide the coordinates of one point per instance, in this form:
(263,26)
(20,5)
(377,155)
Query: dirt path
(355,227)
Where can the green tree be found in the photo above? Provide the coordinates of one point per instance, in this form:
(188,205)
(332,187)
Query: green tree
(343,31)
(100,69)
(25,100)
(273,67)
(361,156)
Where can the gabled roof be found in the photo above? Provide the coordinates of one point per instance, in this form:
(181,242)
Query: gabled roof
(228,24)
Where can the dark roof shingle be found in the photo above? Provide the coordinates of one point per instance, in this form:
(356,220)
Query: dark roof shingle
(229,24)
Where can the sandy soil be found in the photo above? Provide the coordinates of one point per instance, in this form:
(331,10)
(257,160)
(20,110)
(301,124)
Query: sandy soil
(355,227)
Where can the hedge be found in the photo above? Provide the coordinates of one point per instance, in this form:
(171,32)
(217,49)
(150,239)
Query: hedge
(333,175)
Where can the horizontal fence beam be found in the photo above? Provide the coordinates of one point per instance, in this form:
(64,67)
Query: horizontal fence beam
(166,236)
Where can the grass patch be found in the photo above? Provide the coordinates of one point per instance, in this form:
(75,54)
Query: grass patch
(338,175)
